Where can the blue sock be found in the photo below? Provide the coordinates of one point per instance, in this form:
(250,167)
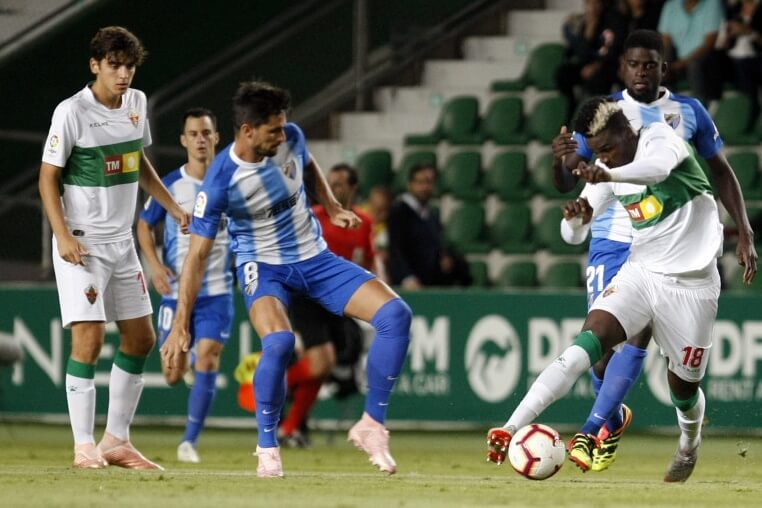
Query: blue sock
(621,373)
(386,355)
(199,402)
(270,385)
(597,382)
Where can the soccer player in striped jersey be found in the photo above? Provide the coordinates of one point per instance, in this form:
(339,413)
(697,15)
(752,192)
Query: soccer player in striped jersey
(257,182)
(94,152)
(212,315)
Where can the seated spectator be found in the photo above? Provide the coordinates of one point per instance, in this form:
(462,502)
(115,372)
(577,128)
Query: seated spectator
(377,206)
(594,42)
(640,14)
(743,42)
(418,255)
(690,29)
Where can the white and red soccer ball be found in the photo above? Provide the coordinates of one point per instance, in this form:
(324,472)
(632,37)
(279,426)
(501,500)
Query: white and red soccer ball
(536,451)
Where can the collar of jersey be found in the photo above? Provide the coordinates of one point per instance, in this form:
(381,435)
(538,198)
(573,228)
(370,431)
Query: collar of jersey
(90,97)
(658,102)
(242,163)
(185,174)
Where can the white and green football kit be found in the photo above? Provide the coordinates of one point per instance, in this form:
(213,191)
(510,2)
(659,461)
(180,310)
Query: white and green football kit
(100,152)
(670,280)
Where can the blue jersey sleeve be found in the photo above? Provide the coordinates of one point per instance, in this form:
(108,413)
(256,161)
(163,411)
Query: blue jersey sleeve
(153,212)
(298,142)
(582,149)
(706,138)
(211,202)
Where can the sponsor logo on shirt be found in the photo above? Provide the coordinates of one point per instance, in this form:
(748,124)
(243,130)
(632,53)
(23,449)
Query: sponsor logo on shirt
(124,163)
(200,208)
(98,124)
(280,206)
(644,210)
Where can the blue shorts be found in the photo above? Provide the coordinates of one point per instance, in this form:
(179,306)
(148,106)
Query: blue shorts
(326,278)
(211,318)
(605,259)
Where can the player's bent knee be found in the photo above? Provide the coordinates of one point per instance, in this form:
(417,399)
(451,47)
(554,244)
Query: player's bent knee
(393,318)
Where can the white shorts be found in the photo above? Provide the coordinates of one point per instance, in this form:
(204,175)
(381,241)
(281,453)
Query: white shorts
(681,310)
(110,287)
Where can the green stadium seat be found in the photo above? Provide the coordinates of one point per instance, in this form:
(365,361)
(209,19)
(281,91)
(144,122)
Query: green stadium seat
(548,233)
(542,177)
(540,72)
(458,123)
(461,176)
(521,274)
(511,232)
(479,274)
(465,229)
(503,122)
(508,177)
(410,160)
(547,117)
(746,167)
(733,120)
(563,274)
(374,167)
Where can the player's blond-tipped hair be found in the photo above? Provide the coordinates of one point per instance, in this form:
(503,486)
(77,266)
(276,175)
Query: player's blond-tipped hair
(596,114)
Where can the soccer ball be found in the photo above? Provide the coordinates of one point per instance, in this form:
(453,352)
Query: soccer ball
(536,452)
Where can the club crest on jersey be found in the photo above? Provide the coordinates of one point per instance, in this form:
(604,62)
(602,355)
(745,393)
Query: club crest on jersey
(289,169)
(91,294)
(134,118)
(672,119)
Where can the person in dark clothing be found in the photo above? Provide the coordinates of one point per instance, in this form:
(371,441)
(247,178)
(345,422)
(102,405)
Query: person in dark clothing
(418,255)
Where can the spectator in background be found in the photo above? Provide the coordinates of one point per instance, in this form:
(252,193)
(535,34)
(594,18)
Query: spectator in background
(377,206)
(418,256)
(743,42)
(690,29)
(640,14)
(594,40)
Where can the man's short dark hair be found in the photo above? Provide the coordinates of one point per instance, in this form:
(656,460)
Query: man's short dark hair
(198,113)
(256,101)
(647,39)
(599,113)
(421,167)
(352,177)
(119,43)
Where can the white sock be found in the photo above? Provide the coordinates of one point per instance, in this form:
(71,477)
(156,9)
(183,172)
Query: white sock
(690,422)
(80,397)
(124,391)
(553,383)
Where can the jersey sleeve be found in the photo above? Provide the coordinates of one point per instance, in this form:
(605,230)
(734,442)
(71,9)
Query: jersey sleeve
(582,149)
(61,137)
(152,212)
(211,203)
(707,138)
(299,142)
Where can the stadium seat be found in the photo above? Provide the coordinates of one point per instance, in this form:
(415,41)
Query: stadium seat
(522,274)
(479,274)
(733,120)
(547,117)
(503,122)
(458,123)
(548,233)
(542,177)
(563,274)
(461,176)
(511,232)
(409,160)
(746,167)
(374,167)
(508,177)
(540,71)
(465,229)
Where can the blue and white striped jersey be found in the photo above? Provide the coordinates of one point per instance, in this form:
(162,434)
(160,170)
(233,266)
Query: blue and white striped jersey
(270,217)
(690,120)
(218,278)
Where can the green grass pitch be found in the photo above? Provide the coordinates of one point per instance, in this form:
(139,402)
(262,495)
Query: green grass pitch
(436,469)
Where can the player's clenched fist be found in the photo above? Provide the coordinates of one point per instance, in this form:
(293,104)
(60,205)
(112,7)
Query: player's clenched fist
(580,208)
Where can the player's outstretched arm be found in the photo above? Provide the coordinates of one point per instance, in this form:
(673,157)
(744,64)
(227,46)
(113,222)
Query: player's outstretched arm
(565,156)
(729,191)
(68,247)
(161,274)
(339,216)
(152,184)
(178,341)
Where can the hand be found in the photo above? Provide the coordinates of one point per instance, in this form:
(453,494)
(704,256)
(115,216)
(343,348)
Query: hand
(162,277)
(592,173)
(578,207)
(72,251)
(174,348)
(589,71)
(182,217)
(564,144)
(345,219)
(747,257)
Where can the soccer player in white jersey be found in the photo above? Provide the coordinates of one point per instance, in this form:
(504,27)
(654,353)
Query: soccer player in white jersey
(94,151)
(258,183)
(643,101)
(212,315)
(670,281)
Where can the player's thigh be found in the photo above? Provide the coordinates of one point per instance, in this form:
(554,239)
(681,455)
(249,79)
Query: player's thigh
(212,320)
(267,295)
(322,359)
(128,296)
